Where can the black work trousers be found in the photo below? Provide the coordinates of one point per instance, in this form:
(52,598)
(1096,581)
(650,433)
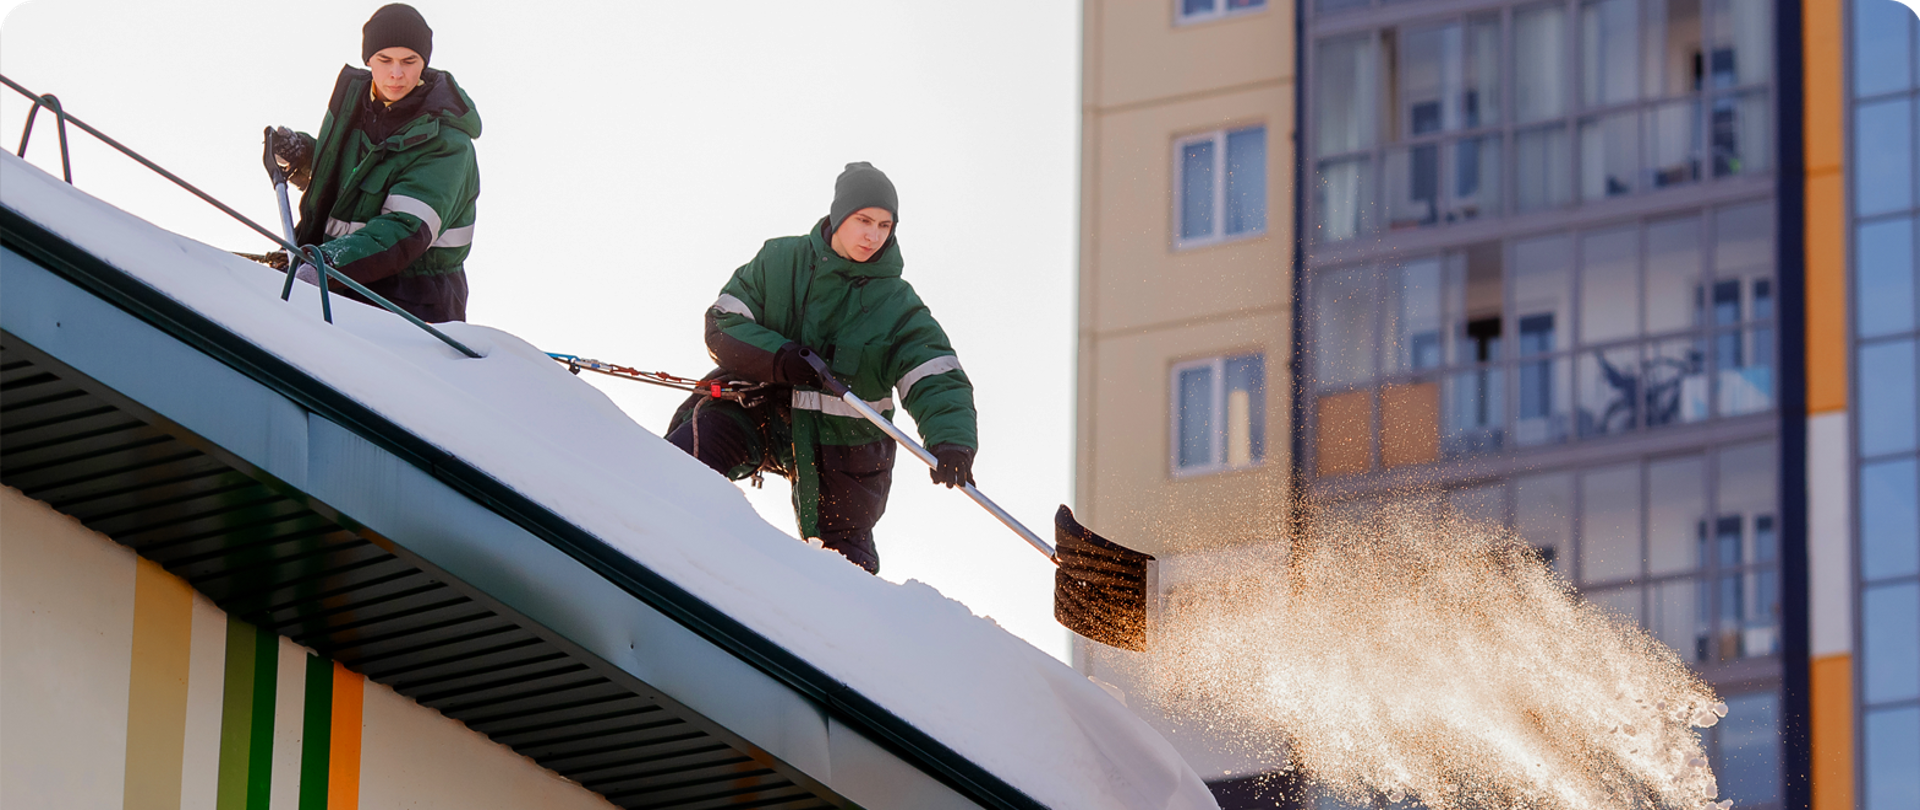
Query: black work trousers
(852,480)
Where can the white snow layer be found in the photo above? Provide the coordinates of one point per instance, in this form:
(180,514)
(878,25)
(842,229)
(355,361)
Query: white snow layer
(523,419)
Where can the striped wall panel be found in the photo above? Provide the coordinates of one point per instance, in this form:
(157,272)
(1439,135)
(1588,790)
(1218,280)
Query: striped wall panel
(289,574)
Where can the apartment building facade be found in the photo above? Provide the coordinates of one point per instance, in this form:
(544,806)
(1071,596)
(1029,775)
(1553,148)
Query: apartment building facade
(1633,278)
(1185,292)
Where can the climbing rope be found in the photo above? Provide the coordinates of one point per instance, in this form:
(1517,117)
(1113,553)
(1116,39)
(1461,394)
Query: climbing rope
(311,253)
(747,394)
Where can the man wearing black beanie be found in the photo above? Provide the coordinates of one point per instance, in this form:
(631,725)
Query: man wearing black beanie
(837,290)
(391,182)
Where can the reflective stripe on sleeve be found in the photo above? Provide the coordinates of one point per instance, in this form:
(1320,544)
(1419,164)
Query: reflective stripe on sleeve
(835,406)
(938,365)
(401,204)
(455,237)
(729,304)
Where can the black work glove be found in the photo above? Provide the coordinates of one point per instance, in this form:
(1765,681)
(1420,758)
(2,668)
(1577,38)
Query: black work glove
(789,368)
(294,152)
(956,465)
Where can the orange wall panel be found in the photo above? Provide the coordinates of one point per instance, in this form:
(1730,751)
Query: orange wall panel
(1822,34)
(1832,721)
(1826,294)
(1346,434)
(1822,37)
(1409,424)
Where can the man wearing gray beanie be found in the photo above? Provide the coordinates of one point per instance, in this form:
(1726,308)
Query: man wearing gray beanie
(838,291)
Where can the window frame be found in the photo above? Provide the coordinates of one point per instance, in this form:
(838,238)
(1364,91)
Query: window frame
(1220,11)
(1218,236)
(1216,451)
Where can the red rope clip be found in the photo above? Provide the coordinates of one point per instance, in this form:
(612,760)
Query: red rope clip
(715,388)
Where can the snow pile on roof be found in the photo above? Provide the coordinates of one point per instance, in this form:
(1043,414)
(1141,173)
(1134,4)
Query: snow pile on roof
(523,419)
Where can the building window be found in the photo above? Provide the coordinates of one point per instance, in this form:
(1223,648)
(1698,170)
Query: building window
(1884,374)
(1746,751)
(1192,11)
(1220,186)
(1219,414)
(1559,337)
(1684,544)
(1551,105)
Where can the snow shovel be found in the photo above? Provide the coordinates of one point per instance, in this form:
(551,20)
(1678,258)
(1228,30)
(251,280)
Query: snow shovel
(279,178)
(1100,587)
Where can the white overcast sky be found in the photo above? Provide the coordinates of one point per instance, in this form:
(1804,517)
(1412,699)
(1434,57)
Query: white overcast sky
(634,154)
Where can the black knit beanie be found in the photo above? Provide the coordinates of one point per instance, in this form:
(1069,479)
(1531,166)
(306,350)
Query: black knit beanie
(396,25)
(861,186)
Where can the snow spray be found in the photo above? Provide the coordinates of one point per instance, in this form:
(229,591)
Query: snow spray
(1399,656)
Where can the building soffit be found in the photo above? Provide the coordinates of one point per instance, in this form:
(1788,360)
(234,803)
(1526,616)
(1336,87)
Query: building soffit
(296,509)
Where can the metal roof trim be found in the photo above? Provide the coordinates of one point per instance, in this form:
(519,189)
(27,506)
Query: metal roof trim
(841,703)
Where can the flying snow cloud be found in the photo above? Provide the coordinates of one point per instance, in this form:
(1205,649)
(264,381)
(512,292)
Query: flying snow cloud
(1404,656)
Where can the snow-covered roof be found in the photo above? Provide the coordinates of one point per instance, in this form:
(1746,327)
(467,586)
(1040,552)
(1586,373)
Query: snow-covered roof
(520,418)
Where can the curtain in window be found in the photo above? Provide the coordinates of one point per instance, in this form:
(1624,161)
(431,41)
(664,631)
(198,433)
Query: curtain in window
(1346,95)
(1539,59)
(1246,397)
(1541,158)
(1609,285)
(1673,276)
(1610,52)
(1344,197)
(1343,327)
(1480,99)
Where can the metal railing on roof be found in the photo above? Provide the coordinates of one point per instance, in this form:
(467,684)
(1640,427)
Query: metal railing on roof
(309,252)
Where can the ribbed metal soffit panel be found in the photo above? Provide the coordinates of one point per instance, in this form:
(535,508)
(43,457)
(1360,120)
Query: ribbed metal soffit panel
(268,559)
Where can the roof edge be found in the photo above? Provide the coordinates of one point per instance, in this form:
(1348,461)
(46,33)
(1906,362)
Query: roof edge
(142,301)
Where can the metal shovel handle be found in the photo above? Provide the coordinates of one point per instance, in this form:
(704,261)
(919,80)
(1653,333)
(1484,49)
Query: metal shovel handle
(278,177)
(839,389)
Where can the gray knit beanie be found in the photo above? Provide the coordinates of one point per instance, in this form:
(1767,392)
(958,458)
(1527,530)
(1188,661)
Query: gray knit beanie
(861,186)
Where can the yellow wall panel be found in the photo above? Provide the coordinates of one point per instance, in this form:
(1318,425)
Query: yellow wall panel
(157,688)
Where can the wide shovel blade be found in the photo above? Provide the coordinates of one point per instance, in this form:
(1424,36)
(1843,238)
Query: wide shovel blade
(1100,589)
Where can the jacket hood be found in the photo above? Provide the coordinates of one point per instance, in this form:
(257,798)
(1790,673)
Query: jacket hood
(442,102)
(887,263)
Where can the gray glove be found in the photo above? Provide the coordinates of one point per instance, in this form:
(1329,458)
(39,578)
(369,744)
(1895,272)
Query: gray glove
(294,152)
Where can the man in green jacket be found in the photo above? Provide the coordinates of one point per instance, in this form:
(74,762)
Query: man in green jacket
(837,291)
(393,174)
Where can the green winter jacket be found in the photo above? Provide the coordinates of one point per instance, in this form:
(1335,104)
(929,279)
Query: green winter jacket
(393,194)
(864,319)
